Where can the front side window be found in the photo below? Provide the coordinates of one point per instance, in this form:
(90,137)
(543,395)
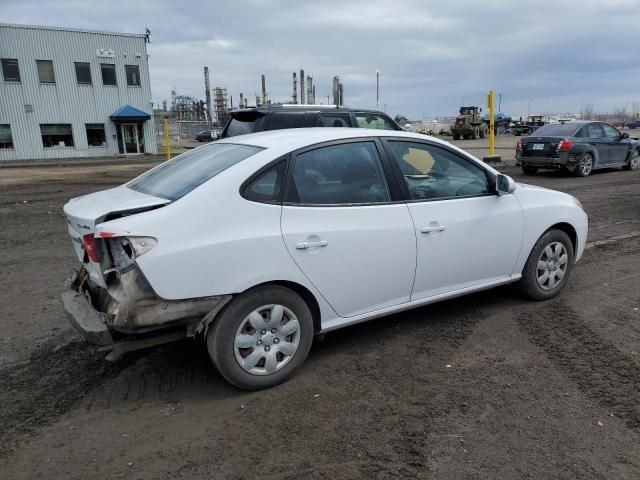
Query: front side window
(610,132)
(267,187)
(280,120)
(56,135)
(95,135)
(45,71)
(348,173)
(594,131)
(83,73)
(10,69)
(6,140)
(431,172)
(177,177)
(133,75)
(374,120)
(334,120)
(108,73)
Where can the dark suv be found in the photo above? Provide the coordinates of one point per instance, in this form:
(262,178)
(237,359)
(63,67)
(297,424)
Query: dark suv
(276,117)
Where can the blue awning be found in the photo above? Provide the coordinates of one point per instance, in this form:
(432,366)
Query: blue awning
(128,113)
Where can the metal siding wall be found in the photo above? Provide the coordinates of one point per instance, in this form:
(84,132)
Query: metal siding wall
(66,101)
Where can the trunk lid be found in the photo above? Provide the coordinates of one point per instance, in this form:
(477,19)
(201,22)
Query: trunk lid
(540,146)
(86,212)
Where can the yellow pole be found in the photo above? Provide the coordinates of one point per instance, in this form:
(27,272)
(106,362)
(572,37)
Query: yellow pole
(492,136)
(166,138)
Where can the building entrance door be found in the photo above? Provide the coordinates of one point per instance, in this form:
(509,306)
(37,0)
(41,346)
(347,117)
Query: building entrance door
(130,139)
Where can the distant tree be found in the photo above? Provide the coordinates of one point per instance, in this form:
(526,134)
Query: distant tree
(588,111)
(401,120)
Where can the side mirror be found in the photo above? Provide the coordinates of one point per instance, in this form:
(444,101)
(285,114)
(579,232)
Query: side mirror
(624,135)
(505,184)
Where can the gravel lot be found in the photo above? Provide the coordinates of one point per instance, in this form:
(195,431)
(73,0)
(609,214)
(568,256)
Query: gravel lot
(487,386)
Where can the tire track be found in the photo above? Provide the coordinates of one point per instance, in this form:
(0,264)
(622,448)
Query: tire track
(599,369)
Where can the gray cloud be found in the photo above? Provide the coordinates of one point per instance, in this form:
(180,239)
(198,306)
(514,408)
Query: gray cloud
(557,55)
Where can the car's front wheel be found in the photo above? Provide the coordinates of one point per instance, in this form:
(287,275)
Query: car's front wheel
(632,164)
(548,266)
(261,338)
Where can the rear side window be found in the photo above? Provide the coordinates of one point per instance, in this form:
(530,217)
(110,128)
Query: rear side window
(266,187)
(334,120)
(374,120)
(280,120)
(177,177)
(348,173)
(594,131)
(245,123)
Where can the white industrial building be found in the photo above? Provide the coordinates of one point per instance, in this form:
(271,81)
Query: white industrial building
(73,93)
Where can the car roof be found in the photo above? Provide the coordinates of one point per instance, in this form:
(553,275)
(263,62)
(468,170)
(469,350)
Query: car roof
(311,108)
(295,138)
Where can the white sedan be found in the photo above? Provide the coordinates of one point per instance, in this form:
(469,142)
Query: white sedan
(262,241)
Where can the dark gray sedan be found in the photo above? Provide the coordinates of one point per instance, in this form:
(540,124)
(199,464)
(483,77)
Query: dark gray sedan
(578,147)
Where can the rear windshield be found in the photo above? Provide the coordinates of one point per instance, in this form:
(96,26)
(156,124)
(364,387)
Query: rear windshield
(558,129)
(177,177)
(243,123)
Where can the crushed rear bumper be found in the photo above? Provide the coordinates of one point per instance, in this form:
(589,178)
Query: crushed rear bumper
(82,315)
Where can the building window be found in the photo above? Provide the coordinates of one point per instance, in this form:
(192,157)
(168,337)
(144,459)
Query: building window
(6,140)
(45,71)
(10,70)
(83,73)
(108,73)
(56,135)
(95,135)
(133,75)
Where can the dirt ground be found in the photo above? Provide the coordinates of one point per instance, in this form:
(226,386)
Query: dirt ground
(489,386)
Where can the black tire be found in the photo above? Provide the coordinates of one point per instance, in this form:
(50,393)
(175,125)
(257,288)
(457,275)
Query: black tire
(474,133)
(584,166)
(222,335)
(528,169)
(456,136)
(483,132)
(632,163)
(529,282)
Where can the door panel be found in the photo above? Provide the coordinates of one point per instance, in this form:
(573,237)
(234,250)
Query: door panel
(360,258)
(618,148)
(465,242)
(340,226)
(599,142)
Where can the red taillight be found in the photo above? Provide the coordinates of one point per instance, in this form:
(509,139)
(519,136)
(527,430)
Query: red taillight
(519,145)
(90,246)
(565,145)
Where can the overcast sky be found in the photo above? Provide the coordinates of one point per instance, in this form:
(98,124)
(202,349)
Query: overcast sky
(432,55)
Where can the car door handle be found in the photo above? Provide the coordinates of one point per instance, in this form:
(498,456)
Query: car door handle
(437,228)
(305,245)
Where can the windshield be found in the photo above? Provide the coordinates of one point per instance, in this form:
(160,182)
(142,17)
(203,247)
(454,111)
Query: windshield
(558,129)
(177,177)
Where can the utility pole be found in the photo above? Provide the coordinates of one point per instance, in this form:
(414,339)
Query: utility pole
(377,88)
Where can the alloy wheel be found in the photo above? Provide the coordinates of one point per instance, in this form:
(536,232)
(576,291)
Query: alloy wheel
(552,266)
(267,339)
(586,164)
(633,163)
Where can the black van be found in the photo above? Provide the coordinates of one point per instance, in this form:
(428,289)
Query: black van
(279,116)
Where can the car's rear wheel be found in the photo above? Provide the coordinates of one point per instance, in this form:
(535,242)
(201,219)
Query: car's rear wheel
(584,166)
(632,164)
(528,169)
(456,136)
(548,266)
(261,338)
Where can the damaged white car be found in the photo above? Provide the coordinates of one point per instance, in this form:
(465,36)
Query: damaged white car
(262,241)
